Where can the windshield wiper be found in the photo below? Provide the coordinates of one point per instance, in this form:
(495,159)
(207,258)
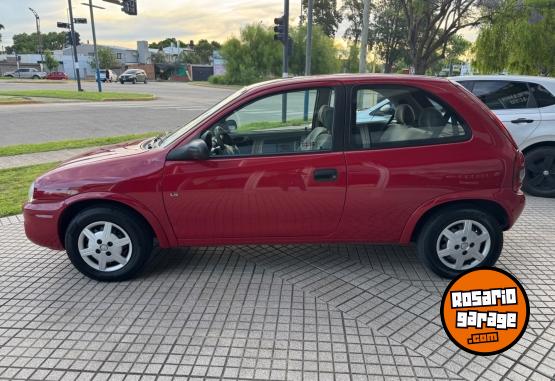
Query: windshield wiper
(157,140)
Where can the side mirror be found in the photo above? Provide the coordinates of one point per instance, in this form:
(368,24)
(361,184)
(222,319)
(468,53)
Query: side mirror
(194,150)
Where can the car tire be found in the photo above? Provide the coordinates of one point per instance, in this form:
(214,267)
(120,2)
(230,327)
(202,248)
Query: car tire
(454,240)
(118,254)
(36,77)
(134,81)
(146,81)
(121,82)
(540,172)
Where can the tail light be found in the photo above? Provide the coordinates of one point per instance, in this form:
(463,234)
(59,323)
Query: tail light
(519,171)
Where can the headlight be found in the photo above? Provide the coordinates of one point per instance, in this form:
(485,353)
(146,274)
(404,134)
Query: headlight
(31,192)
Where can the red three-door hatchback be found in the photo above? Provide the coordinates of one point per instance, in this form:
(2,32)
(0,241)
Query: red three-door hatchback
(342,158)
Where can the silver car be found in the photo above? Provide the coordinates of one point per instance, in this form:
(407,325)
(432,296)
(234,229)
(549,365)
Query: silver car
(26,73)
(526,106)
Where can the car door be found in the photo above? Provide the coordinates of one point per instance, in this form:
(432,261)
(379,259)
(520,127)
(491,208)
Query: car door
(403,163)
(276,171)
(512,102)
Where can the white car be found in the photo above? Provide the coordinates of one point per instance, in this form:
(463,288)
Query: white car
(526,106)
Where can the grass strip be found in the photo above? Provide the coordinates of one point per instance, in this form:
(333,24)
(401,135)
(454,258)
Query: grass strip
(83,96)
(70,144)
(14,186)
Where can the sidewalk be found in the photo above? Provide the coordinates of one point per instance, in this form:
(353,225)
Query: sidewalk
(7,162)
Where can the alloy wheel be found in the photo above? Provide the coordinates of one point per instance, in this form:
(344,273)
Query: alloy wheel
(540,173)
(463,244)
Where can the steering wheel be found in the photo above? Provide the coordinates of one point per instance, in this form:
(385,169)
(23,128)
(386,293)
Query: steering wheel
(222,141)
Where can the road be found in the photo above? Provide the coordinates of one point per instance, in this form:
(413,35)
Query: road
(177,104)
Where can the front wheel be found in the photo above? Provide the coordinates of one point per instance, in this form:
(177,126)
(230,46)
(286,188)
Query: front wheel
(456,240)
(540,172)
(108,244)
(134,81)
(36,77)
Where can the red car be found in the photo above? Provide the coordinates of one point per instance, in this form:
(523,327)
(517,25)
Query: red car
(57,75)
(295,161)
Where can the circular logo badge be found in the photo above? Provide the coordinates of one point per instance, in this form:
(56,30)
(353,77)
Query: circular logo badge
(485,311)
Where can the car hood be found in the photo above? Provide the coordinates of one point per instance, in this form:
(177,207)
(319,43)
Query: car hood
(103,170)
(107,153)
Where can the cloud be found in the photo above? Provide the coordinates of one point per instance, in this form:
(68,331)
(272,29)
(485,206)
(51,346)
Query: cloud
(186,20)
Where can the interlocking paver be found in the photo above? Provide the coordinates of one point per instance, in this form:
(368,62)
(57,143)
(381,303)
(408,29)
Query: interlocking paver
(261,312)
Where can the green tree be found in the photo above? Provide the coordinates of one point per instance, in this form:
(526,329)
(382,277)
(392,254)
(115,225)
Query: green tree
(389,31)
(252,57)
(204,50)
(324,53)
(353,11)
(159,57)
(351,58)
(431,25)
(326,14)
(520,38)
(27,43)
(50,61)
(106,58)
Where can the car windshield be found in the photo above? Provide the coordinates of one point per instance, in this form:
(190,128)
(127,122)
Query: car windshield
(131,72)
(178,133)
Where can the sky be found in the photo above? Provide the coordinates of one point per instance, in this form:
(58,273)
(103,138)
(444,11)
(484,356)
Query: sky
(157,19)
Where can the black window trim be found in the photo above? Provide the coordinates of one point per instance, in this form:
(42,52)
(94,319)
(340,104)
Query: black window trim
(351,117)
(338,121)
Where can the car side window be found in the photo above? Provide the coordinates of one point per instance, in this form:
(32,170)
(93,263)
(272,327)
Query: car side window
(499,95)
(543,96)
(291,122)
(397,116)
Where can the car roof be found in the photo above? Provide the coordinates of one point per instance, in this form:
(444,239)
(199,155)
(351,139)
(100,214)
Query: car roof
(500,77)
(347,79)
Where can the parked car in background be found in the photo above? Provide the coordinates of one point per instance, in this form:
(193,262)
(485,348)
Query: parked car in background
(443,172)
(57,75)
(526,106)
(107,75)
(133,76)
(26,73)
(379,113)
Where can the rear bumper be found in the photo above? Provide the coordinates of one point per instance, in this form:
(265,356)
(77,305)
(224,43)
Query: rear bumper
(41,223)
(513,203)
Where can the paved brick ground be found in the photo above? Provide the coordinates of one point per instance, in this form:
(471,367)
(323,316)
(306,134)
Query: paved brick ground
(262,312)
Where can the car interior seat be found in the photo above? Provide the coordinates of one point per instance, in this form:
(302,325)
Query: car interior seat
(320,137)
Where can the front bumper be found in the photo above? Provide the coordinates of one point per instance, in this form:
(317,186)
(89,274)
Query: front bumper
(41,223)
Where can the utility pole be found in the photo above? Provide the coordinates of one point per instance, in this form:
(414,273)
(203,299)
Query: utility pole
(39,40)
(364,37)
(286,38)
(308,63)
(73,42)
(99,82)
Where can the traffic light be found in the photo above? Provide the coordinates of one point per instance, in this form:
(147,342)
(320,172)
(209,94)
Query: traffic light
(279,29)
(130,7)
(77,39)
(69,40)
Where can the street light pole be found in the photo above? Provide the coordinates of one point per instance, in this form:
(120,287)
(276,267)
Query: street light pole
(364,37)
(308,63)
(95,49)
(39,40)
(79,88)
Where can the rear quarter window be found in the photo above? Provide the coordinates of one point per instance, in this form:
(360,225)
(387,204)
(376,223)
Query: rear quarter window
(543,96)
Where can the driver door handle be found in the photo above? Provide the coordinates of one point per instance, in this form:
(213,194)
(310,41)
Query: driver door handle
(522,120)
(325,174)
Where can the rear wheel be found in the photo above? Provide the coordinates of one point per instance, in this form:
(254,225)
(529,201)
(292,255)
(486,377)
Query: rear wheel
(456,240)
(121,82)
(108,244)
(36,77)
(540,172)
